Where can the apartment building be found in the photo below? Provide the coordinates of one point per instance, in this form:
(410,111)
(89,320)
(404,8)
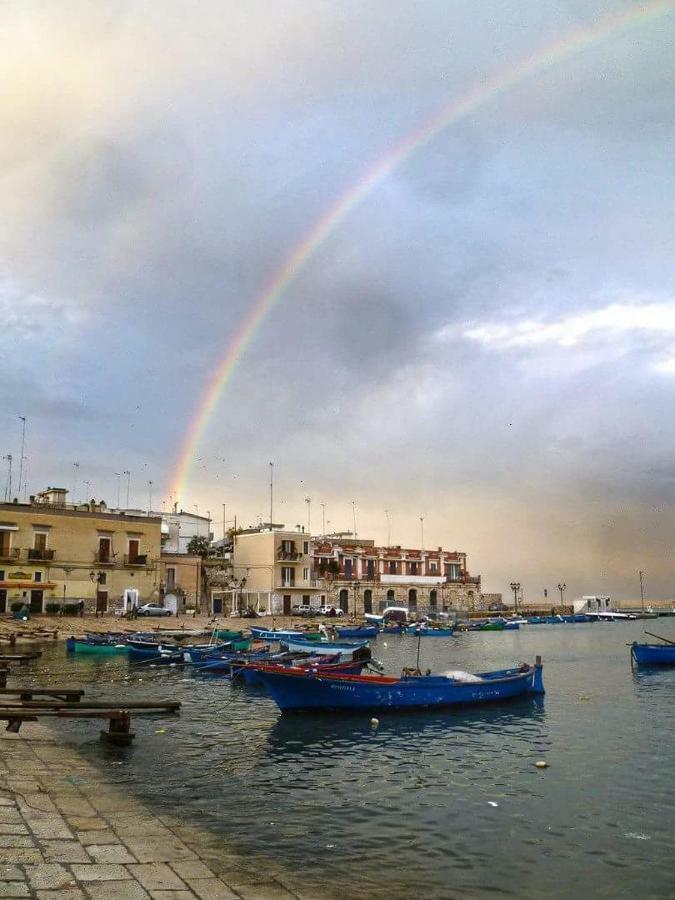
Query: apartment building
(55,552)
(359,577)
(271,570)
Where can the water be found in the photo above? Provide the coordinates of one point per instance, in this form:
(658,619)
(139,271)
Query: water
(434,805)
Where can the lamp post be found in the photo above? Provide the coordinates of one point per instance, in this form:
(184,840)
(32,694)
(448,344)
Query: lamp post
(357,585)
(515,587)
(562,588)
(642,589)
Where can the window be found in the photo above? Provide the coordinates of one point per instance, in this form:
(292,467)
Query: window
(2,575)
(170,577)
(390,597)
(37,576)
(287,576)
(413,568)
(432,565)
(288,546)
(349,563)
(134,547)
(305,599)
(40,540)
(102,577)
(392,567)
(305,547)
(104,549)
(370,569)
(5,542)
(305,574)
(412,598)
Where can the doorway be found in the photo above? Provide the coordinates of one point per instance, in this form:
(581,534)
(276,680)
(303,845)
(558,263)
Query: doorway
(217,606)
(3,600)
(36,601)
(101,602)
(287,604)
(367,601)
(344,600)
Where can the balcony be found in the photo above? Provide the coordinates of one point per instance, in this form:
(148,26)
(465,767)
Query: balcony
(43,553)
(138,559)
(291,555)
(10,553)
(104,558)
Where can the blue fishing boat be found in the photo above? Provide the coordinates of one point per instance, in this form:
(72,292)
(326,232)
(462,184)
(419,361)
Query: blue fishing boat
(428,631)
(295,689)
(365,631)
(653,654)
(323,647)
(266,634)
(535,620)
(510,626)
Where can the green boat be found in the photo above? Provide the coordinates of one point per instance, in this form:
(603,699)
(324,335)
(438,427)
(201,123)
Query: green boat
(492,626)
(224,635)
(100,648)
(244,644)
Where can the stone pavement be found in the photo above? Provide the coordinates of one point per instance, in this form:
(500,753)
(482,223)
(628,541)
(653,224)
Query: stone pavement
(68,833)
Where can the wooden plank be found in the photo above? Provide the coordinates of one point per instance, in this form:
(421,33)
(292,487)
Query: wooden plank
(43,692)
(169,706)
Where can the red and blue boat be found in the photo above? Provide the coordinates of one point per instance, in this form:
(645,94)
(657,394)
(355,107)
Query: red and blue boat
(295,689)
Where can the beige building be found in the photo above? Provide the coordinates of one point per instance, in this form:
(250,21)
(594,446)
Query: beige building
(181,579)
(271,570)
(52,552)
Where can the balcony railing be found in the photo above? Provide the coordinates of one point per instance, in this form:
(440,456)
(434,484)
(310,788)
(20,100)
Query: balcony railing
(10,553)
(104,558)
(40,553)
(137,559)
(289,554)
(287,584)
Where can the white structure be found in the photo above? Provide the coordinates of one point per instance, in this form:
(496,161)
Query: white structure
(178,527)
(591,603)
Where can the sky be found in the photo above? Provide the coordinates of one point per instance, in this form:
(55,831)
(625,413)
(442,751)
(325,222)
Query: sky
(484,347)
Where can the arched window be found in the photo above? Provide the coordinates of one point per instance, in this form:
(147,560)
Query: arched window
(412,598)
(433,599)
(391,597)
(368,601)
(344,600)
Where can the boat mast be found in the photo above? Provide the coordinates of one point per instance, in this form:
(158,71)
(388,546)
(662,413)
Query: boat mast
(642,590)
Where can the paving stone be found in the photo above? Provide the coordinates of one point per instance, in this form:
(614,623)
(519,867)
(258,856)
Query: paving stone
(157,876)
(48,825)
(49,876)
(99,872)
(69,894)
(173,895)
(64,852)
(10,814)
(11,873)
(16,840)
(110,853)
(38,801)
(14,889)
(75,806)
(214,889)
(86,823)
(264,890)
(23,855)
(153,849)
(191,869)
(97,837)
(117,890)
(13,828)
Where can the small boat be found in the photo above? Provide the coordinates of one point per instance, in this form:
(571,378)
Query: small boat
(653,654)
(101,648)
(535,620)
(265,634)
(323,647)
(429,631)
(492,626)
(223,634)
(363,631)
(295,689)
(394,629)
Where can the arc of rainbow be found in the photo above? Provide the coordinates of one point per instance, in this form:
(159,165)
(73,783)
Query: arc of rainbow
(547,56)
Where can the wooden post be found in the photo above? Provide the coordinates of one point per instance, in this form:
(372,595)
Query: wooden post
(3,677)
(119,731)
(12,639)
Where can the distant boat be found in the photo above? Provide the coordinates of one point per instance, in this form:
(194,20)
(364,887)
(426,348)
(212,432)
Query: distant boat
(100,647)
(365,631)
(265,634)
(295,689)
(344,648)
(429,631)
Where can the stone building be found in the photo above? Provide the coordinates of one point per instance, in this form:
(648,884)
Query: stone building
(53,552)
(358,577)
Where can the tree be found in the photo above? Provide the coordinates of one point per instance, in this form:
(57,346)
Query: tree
(198,546)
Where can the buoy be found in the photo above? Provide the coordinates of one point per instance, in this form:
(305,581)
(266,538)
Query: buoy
(541,764)
(160,731)
(492,803)
(384,644)
(374,722)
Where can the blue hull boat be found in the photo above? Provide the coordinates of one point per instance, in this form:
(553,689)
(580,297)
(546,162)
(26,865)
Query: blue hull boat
(323,647)
(266,634)
(369,631)
(653,654)
(295,689)
(431,632)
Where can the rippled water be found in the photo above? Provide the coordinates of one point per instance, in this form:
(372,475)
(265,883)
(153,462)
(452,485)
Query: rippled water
(434,805)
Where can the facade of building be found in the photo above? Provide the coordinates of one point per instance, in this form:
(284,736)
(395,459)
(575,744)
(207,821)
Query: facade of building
(358,577)
(181,581)
(52,552)
(271,570)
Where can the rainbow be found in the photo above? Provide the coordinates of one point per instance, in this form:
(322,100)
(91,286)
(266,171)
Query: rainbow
(544,58)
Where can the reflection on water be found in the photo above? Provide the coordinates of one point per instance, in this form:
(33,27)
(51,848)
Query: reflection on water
(435,804)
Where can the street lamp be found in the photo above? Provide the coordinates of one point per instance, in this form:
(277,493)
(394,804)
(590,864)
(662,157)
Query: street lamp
(357,585)
(515,587)
(562,588)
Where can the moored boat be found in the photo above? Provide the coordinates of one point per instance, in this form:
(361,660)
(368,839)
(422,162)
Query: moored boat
(363,631)
(653,654)
(266,634)
(295,689)
(323,647)
(101,648)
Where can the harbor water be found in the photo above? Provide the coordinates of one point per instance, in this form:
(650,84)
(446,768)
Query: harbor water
(436,805)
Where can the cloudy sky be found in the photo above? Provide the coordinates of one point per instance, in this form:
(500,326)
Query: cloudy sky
(487,340)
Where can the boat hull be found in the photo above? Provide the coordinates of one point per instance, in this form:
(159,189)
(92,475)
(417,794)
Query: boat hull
(653,654)
(370,631)
(99,649)
(265,634)
(295,690)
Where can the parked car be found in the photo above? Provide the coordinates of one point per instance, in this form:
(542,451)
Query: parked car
(325,611)
(305,611)
(151,609)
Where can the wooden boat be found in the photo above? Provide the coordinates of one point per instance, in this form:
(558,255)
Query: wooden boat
(100,648)
(363,631)
(492,626)
(429,631)
(653,654)
(248,673)
(295,689)
(265,634)
(223,634)
(323,647)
